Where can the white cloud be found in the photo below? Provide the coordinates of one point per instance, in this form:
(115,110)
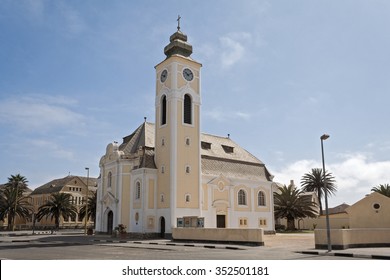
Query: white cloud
(357,171)
(41,112)
(224,115)
(51,148)
(232,47)
(355,176)
(242,115)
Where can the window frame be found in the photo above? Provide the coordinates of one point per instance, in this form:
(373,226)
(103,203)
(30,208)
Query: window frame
(261,200)
(242,198)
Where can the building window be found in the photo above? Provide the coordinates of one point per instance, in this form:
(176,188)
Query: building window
(163,169)
(241,197)
(188,141)
(164,110)
(187,109)
(205,145)
(188,169)
(261,198)
(187,198)
(109,179)
(162,198)
(262,222)
(243,222)
(137,190)
(228,149)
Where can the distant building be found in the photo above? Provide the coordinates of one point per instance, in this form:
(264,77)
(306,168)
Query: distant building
(170,175)
(76,186)
(338,209)
(366,224)
(373,211)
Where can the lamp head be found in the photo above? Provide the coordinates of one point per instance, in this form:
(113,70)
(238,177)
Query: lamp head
(324,137)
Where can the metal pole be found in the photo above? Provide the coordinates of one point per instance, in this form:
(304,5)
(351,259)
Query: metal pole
(324,137)
(86,204)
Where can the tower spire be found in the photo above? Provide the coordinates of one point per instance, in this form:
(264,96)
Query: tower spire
(178,43)
(178,22)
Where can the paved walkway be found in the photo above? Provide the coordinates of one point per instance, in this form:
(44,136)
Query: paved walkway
(295,242)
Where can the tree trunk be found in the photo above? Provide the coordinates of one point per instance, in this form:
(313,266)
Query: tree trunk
(290,224)
(57,223)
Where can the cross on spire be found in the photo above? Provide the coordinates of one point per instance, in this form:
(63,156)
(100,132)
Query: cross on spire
(178,22)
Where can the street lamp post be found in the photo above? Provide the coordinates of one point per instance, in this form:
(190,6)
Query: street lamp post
(324,137)
(86,204)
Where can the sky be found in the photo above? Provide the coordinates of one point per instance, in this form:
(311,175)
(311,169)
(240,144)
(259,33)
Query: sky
(276,75)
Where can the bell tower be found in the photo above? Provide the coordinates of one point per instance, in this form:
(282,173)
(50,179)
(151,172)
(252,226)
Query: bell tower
(177,142)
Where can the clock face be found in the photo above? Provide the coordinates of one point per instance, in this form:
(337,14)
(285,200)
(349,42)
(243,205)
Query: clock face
(164,75)
(187,74)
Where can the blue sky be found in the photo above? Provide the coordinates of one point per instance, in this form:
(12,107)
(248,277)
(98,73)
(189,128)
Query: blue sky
(77,75)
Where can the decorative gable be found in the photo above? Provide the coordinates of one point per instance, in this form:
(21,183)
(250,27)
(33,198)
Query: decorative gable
(221,182)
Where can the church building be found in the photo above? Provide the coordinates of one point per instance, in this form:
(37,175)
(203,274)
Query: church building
(168,174)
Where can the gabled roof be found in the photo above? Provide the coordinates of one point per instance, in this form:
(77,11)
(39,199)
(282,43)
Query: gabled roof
(224,147)
(219,155)
(338,209)
(368,199)
(143,136)
(56,185)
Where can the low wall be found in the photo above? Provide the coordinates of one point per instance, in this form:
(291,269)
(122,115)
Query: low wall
(352,238)
(221,235)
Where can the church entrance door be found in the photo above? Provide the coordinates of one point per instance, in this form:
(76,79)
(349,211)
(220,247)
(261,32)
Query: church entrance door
(162,227)
(221,221)
(110,222)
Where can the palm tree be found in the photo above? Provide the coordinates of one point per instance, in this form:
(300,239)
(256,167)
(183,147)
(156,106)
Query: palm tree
(314,182)
(12,202)
(59,204)
(91,208)
(289,203)
(382,189)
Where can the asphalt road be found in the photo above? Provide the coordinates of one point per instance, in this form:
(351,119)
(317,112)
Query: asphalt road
(78,247)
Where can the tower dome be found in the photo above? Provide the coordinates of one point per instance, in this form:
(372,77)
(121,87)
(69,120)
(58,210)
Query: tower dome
(178,44)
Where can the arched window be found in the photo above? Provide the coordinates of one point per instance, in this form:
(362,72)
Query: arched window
(164,110)
(187,109)
(137,190)
(261,198)
(109,179)
(241,197)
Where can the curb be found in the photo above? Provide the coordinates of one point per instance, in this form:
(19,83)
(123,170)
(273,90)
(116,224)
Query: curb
(348,255)
(170,244)
(49,232)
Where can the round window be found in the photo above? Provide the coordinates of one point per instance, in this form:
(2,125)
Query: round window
(376,206)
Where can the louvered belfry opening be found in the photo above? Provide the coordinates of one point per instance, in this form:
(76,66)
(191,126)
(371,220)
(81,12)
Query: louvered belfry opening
(187,109)
(164,110)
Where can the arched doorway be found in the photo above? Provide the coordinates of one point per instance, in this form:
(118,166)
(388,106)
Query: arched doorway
(110,222)
(162,227)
